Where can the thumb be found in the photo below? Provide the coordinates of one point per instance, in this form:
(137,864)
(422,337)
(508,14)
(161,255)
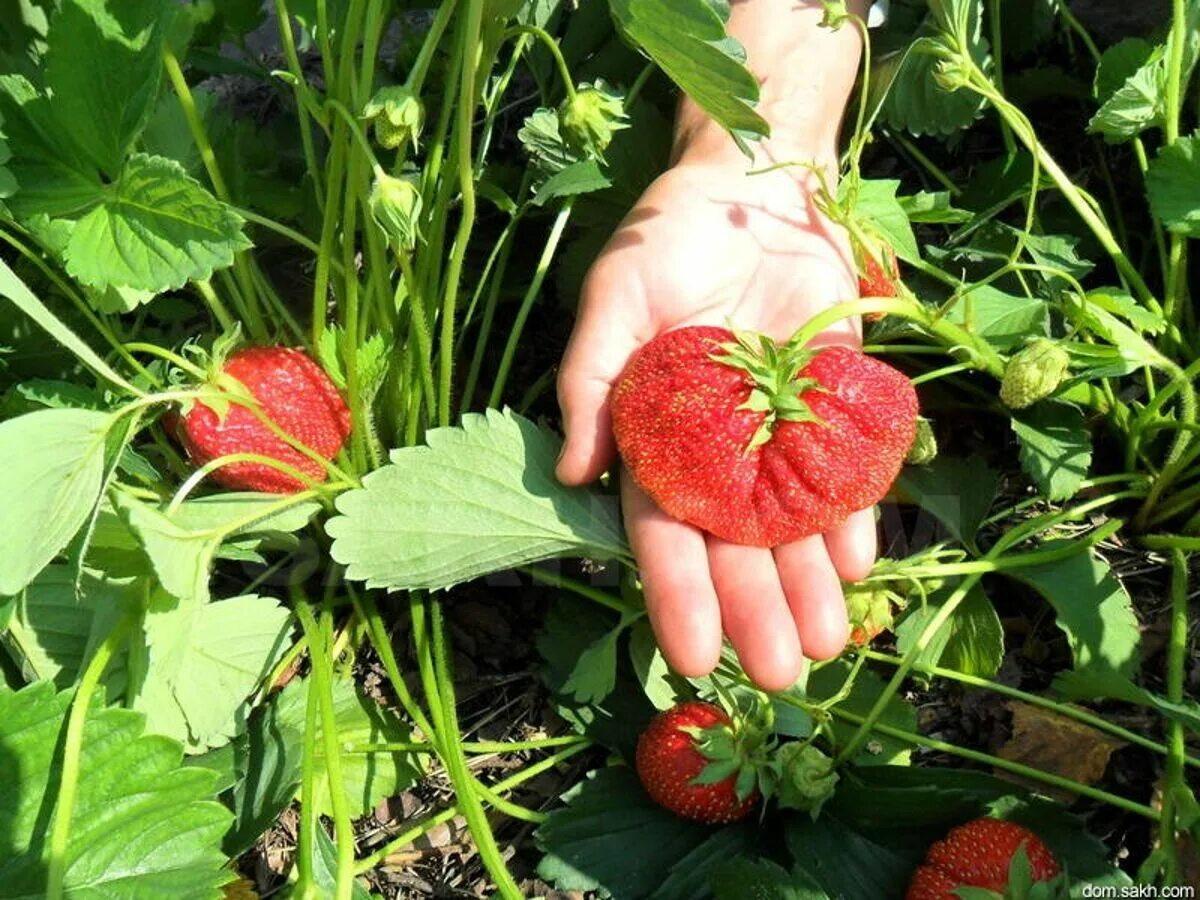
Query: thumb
(612,324)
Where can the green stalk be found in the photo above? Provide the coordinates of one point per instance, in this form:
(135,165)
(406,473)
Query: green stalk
(407,837)
(68,786)
(564,72)
(322,684)
(489,748)
(1176,658)
(531,294)
(416,77)
(1066,710)
(300,89)
(1174,102)
(1066,784)
(455,760)
(466,222)
(309,822)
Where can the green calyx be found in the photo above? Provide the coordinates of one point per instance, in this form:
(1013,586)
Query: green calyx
(775,369)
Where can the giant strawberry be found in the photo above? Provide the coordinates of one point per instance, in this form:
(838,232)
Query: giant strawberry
(679,745)
(759,443)
(979,854)
(295,394)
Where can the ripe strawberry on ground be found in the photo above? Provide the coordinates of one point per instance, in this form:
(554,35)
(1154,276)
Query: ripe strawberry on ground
(670,756)
(290,389)
(979,854)
(756,442)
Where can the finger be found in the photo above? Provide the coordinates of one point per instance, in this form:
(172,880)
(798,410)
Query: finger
(612,324)
(853,545)
(755,613)
(679,591)
(814,595)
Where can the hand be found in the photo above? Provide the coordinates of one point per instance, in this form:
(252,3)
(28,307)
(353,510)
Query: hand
(708,244)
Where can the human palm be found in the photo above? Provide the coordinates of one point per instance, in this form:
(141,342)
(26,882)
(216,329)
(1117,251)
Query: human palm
(710,245)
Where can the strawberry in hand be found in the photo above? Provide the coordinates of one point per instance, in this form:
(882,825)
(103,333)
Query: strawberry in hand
(758,443)
(291,390)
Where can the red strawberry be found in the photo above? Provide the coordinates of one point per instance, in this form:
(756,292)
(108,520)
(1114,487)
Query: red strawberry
(978,854)
(758,443)
(669,758)
(296,394)
(878,279)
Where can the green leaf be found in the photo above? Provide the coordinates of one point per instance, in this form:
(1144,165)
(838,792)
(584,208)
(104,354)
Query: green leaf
(479,498)
(1093,609)
(853,863)
(595,673)
(367,777)
(761,879)
(1004,320)
(1118,64)
(204,661)
(143,825)
(1056,447)
(957,492)
(102,71)
(612,838)
(972,642)
(1135,106)
(24,299)
(687,39)
(60,618)
(650,666)
(581,177)
(544,143)
(877,207)
(1173,183)
(49,494)
(155,230)
(918,104)
(934,208)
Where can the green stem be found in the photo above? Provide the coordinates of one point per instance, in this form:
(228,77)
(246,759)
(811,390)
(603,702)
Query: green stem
(1066,710)
(416,77)
(322,676)
(1007,765)
(473,747)
(407,837)
(456,764)
(550,44)
(60,829)
(309,822)
(300,89)
(586,591)
(1176,659)
(220,313)
(531,294)
(466,222)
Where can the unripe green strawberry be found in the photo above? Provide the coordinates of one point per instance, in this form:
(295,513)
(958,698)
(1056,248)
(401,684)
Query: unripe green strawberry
(1033,374)
(870,614)
(806,777)
(924,447)
(760,443)
(397,115)
(395,205)
(589,118)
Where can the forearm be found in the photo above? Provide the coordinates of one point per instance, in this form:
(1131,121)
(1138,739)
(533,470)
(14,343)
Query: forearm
(805,73)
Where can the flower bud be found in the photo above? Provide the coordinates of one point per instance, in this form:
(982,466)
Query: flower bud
(1033,374)
(924,447)
(397,115)
(952,74)
(807,777)
(589,118)
(396,206)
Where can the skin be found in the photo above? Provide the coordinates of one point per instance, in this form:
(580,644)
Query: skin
(708,244)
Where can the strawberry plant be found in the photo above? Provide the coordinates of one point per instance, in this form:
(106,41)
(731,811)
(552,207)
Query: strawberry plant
(292,599)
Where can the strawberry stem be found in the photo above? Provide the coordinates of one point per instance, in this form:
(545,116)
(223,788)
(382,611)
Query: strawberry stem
(775,371)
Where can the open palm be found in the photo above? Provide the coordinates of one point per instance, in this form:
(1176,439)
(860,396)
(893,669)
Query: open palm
(710,245)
